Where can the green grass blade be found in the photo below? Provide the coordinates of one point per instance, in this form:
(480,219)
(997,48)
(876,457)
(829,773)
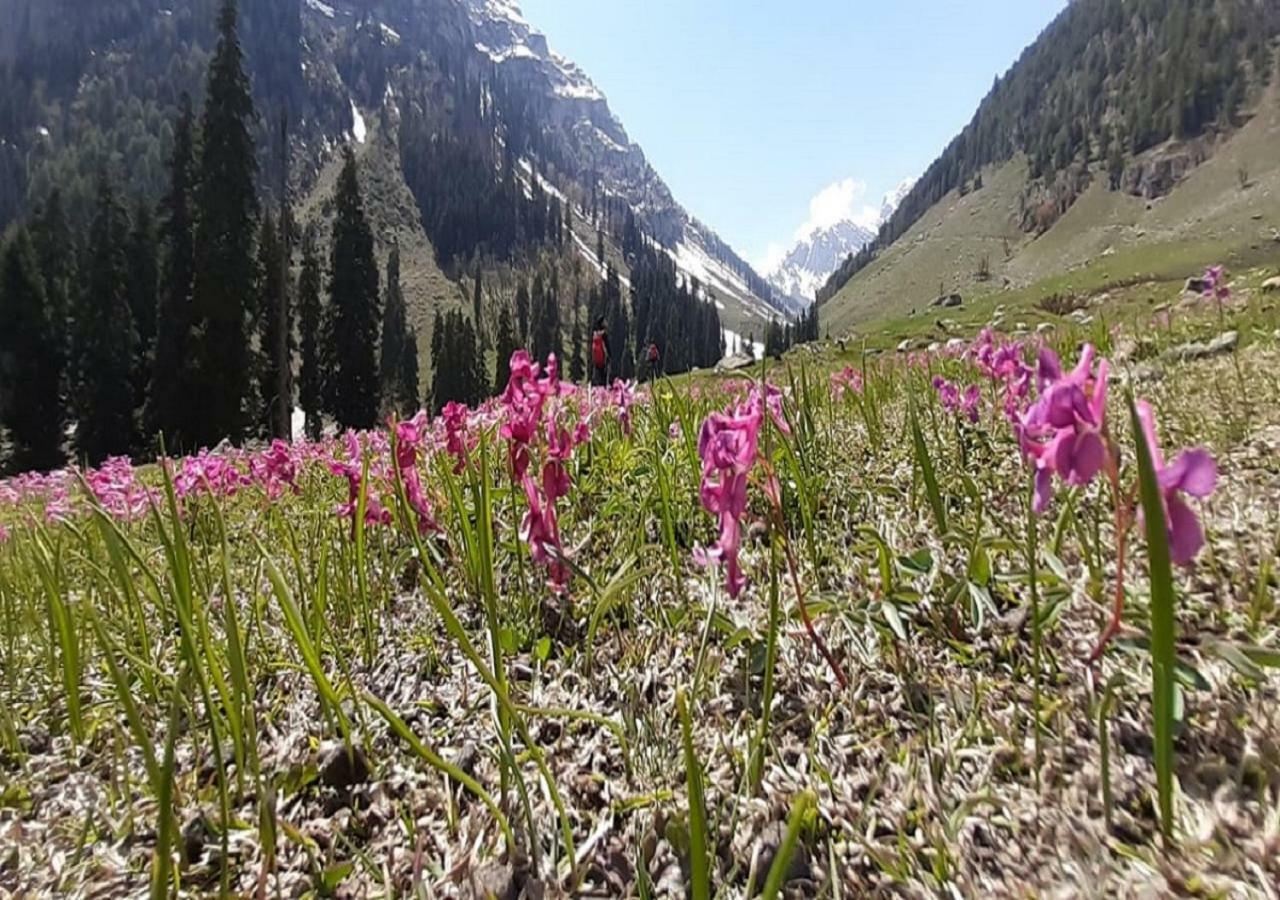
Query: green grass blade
(1163,600)
(699,857)
(925,461)
(782,861)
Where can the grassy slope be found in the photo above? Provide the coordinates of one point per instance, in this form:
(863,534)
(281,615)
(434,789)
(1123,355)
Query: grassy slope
(1104,239)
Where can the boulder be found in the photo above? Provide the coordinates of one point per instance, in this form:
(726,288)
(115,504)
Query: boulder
(949,301)
(1223,343)
(1271,284)
(735,362)
(1195,286)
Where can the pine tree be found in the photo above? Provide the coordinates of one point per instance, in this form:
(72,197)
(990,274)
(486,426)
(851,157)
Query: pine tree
(273,298)
(55,247)
(522,315)
(170,411)
(34,414)
(310,318)
(226,204)
(506,346)
(353,305)
(395,343)
(143,288)
(104,338)
(408,386)
(576,370)
(477,310)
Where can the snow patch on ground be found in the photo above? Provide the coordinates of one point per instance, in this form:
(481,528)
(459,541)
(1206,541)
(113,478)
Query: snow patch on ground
(358,129)
(323,8)
(527,168)
(391,34)
(732,338)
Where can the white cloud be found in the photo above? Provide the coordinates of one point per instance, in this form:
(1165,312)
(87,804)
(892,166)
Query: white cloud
(840,200)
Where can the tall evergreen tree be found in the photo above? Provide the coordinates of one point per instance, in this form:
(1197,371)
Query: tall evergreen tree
(506,346)
(522,314)
(34,414)
(143,288)
(477,310)
(275,328)
(226,204)
(104,338)
(310,319)
(408,386)
(56,254)
(576,370)
(395,343)
(353,306)
(170,411)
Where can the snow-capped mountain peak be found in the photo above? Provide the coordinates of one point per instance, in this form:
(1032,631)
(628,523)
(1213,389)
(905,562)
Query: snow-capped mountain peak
(819,252)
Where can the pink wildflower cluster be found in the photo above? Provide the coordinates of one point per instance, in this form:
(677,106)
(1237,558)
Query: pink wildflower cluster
(729,447)
(277,468)
(213,474)
(954,402)
(1002,362)
(454,415)
(1062,432)
(847,379)
(410,437)
(351,467)
(532,427)
(624,397)
(114,484)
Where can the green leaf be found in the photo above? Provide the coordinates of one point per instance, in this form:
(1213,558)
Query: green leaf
(1237,659)
(1263,656)
(334,875)
(1163,626)
(894,618)
(920,562)
(542,649)
(699,857)
(927,472)
(782,861)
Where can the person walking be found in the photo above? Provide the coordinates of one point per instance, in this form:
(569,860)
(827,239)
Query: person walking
(655,361)
(600,356)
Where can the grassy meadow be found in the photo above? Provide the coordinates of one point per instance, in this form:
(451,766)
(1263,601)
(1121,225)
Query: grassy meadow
(802,631)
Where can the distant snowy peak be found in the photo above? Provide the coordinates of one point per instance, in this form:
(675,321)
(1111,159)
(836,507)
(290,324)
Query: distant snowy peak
(816,255)
(813,258)
(893,199)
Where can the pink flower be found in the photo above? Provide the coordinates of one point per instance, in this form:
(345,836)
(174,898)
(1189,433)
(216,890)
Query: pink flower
(4,534)
(454,415)
(729,446)
(847,379)
(1062,431)
(1215,283)
(624,396)
(1194,473)
(352,468)
(409,438)
(955,403)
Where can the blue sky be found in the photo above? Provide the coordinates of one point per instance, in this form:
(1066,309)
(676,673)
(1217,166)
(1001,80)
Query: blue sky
(768,116)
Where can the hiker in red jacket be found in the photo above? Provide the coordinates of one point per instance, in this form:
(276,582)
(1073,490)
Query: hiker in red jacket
(655,360)
(600,355)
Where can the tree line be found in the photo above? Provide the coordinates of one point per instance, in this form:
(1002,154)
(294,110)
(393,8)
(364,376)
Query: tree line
(179,325)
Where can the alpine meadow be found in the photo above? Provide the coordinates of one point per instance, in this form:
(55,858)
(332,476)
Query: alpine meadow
(403,494)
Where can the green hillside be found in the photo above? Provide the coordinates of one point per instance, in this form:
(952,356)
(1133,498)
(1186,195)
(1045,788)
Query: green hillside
(1226,210)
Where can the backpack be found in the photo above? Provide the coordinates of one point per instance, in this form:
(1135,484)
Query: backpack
(597,349)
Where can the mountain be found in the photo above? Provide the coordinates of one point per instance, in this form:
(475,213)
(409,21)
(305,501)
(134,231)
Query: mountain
(456,107)
(808,264)
(1130,133)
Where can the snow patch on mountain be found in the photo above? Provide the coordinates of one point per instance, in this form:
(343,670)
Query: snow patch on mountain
(358,129)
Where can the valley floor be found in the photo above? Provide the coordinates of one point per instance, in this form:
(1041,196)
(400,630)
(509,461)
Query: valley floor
(215,653)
